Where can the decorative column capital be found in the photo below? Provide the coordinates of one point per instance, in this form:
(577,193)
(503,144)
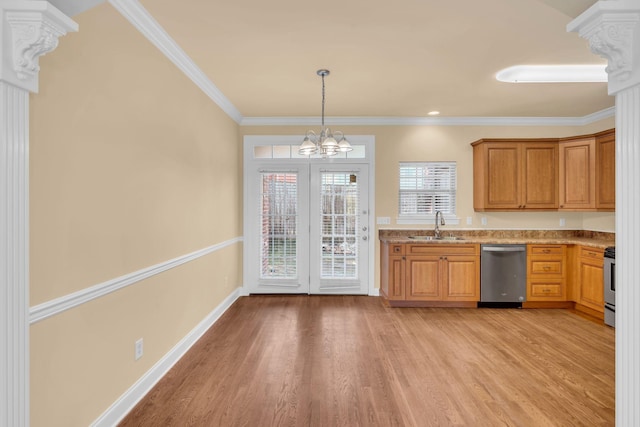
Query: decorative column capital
(28,30)
(612,28)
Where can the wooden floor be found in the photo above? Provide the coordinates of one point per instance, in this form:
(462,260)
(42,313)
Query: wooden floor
(351,361)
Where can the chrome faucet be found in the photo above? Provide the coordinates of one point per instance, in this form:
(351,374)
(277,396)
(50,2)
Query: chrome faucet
(436,232)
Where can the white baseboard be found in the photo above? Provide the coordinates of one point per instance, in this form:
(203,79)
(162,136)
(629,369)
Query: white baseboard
(121,407)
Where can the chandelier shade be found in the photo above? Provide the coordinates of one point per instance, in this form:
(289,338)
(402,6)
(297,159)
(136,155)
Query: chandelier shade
(326,143)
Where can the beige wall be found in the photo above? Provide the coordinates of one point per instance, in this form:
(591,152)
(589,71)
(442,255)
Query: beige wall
(131,166)
(446,143)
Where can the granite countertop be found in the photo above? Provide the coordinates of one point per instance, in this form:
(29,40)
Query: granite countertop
(595,239)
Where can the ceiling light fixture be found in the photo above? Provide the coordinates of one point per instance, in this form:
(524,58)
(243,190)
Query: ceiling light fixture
(553,74)
(433,113)
(327,143)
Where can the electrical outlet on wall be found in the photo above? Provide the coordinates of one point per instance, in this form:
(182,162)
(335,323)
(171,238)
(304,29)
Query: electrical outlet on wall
(469,220)
(383,220)
(139,349)
(483,220)
(563,222)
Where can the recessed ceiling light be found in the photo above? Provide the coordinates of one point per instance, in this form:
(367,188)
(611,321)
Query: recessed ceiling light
(433,113)
(553,74)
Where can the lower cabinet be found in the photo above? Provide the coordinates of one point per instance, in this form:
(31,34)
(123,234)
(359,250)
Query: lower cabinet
(546,272)
(422,273)
(591,278)
(449,275)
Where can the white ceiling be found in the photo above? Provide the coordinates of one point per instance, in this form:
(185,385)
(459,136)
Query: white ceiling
(399,58)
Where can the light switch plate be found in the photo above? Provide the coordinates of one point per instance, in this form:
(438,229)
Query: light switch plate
(563,222)
(483,220)
(469,220)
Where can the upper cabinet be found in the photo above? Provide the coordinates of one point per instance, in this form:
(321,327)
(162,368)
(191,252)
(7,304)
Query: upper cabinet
(515,174)
(606,170)
(576,173)
(588,172)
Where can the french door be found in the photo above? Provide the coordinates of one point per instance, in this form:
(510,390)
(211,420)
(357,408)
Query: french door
(307,229)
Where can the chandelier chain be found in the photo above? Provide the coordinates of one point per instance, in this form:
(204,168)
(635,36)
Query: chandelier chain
(326,143)
(322,75)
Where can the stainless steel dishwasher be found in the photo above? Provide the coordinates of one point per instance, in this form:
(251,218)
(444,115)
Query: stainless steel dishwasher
(503,275)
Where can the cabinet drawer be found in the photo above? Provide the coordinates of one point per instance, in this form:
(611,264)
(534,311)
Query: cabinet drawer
(594,253)
(553,267)
(546,249)
(543,289)
(440,249)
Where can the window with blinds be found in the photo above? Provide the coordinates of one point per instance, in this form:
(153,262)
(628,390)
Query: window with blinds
(427,187)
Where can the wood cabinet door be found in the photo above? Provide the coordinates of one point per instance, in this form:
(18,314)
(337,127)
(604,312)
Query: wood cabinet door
(592,284)
(461,278)
(606,170)
(396,278)
(422,282)
(540,176)
(577,174)
(502,176)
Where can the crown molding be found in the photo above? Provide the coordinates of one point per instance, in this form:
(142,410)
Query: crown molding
(140,18)
(431,121)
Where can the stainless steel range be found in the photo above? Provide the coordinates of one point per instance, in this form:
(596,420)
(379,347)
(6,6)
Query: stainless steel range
(610,286)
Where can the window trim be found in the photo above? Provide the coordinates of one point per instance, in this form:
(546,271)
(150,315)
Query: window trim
(408,219)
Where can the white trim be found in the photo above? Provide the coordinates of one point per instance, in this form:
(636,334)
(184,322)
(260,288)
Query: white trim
(14,255)
(66,302)
(431,121)
(249,141)
(138,16)
(125,403)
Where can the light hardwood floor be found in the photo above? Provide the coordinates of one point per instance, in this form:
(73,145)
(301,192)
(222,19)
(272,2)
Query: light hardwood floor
(351,361)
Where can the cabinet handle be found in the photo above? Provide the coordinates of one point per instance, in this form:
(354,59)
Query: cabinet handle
(546,251)
(546,268)
(546,290)
(592,253)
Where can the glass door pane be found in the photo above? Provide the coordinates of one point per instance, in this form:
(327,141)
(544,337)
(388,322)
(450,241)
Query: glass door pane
(338,214)
(339,218)
(278,225)
(277,230)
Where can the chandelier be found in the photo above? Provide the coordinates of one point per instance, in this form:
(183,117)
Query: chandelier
(327,143)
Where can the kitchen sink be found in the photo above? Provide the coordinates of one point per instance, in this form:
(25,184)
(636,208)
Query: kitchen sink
(436,238)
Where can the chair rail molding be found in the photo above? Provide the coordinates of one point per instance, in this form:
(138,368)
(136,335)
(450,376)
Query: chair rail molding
(28,30)
(613,30)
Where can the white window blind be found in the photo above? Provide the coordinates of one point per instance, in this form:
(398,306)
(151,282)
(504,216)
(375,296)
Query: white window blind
(427,187)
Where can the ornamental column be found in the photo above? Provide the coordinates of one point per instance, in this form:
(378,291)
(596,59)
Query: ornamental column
(613,31)
(28,30)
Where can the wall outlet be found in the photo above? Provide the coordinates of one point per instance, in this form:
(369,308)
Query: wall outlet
(469,220)
(383,220)
(139,348)
(563,222)
(483,220)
